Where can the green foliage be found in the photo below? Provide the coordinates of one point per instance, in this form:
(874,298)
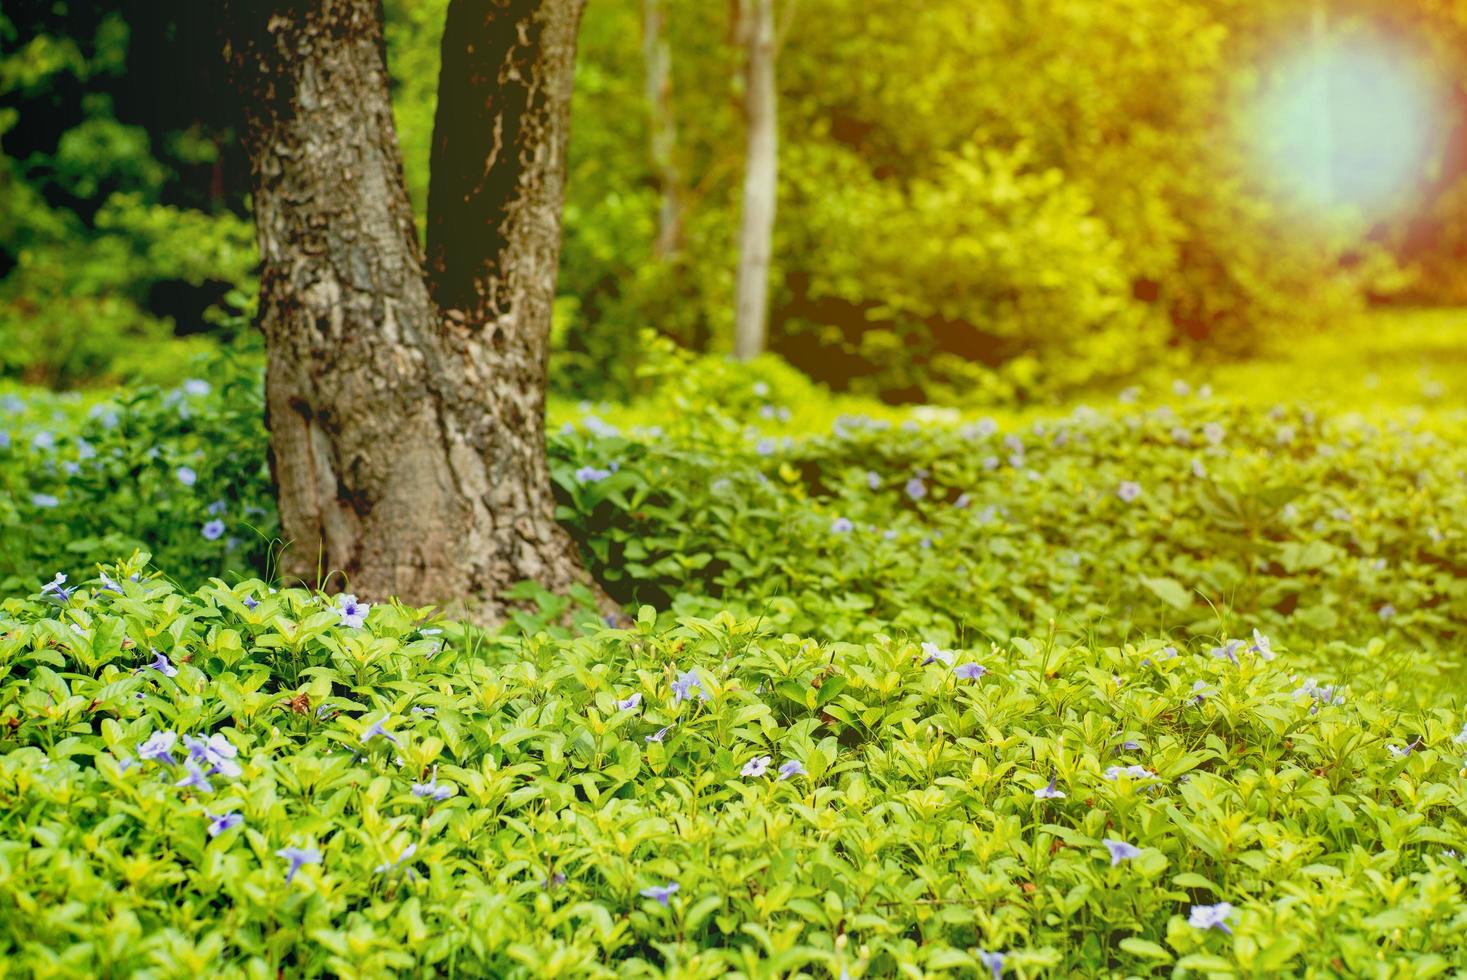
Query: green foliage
(1058,193)
(146,469)
(1338,536)
(913,836)
(99,249)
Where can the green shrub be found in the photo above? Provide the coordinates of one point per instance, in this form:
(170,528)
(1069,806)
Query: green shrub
(911,831)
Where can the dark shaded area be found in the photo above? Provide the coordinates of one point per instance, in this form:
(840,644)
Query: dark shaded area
(170,83)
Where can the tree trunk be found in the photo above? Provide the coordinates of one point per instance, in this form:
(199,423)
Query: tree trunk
(406,412)
(662,124)
(756,232)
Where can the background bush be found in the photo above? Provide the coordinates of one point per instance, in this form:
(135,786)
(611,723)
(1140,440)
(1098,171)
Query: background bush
(1061,196)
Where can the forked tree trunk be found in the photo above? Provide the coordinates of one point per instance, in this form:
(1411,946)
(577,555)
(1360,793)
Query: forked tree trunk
(662,125)
(756,231)
(406,410)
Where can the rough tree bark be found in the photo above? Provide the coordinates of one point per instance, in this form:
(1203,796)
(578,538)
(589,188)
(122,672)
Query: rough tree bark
(406,410)
(657,57)
(756,231)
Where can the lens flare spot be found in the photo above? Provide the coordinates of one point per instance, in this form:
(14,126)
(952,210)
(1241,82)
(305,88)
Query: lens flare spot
(1349,124)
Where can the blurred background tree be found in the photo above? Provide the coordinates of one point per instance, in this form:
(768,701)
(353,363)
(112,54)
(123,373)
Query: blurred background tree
(121,192)
(987,201)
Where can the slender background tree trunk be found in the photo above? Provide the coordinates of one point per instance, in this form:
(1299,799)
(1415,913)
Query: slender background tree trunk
(406,411)
(756,231)
(662,125)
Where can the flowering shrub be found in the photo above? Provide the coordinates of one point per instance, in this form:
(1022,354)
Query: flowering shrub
(181,473)
(1343,538)
(245,782)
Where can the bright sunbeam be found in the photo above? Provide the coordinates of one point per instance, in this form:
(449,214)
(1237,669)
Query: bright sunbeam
(1353,123)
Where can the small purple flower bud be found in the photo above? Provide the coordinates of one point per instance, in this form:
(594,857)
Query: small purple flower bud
(791,769)
(218,825)
(1120,850)
(662,893)
(1211,916)
(298,856)
(1049,792)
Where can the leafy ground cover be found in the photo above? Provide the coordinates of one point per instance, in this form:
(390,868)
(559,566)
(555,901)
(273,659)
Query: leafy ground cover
(245,782)
(1172,683)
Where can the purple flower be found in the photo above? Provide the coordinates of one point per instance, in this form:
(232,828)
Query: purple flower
(554,881)
(218,825)
(161,665)
(298,856)
(873,479)
(841,525)
(1327,695)
(1228,652)
(661,892)
(630,703)
(1261,646)
(195,386)
(1129,490)
(682,688)
(962,502)
(159,748)
(431,788)
(217,507)
(392,866)
(108,584)
(213,531)
(916,489)
(756,766)
(1214,433)
(1386,612)
(1120,850)
(1211,917)
(932,653)
(353,613)
(1461,737)
(217,753)
(250,603)
(660,734)
(378,728)
(1132,772)
(1049,792)
(56,589)
(196,778)
(186,476)
(591,474)
(1401,752)
(970,672)
(994,962)
(791,769)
